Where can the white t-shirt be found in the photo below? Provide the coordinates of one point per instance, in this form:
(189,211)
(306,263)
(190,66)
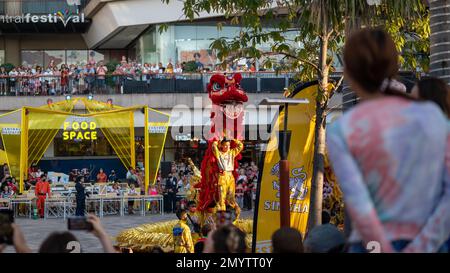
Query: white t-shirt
(242,177)
(13,74)
(180,186)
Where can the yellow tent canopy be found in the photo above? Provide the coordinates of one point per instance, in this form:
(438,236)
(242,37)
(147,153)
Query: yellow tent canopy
(27,132)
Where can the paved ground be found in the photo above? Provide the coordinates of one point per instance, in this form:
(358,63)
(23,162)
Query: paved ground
(37,230)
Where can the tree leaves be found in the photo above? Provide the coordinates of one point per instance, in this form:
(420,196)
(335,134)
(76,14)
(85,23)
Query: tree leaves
(288,36)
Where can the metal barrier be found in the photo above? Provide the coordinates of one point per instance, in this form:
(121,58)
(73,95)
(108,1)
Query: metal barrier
(78,84)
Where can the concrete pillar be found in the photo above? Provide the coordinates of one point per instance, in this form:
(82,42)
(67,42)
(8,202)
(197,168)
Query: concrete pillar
(12,50)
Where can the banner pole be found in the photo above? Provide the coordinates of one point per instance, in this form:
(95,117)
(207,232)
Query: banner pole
(146,151)
(285,206)
(132,144)
(24,149)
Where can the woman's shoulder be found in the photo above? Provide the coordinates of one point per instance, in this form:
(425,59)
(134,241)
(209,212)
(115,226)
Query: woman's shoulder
(410,112)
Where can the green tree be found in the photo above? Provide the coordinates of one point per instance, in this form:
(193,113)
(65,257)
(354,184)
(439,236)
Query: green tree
(309,35)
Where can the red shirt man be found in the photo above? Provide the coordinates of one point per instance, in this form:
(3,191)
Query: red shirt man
(42,190)
(102,177)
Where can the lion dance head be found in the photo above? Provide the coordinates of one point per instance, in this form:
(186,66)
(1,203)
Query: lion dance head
(227,111)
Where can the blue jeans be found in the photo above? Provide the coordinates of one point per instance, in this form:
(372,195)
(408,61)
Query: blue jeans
(397,245)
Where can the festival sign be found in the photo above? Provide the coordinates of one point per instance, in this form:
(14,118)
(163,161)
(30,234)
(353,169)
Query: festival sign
(10,131)
(52,18)
(79,129)
(301,122)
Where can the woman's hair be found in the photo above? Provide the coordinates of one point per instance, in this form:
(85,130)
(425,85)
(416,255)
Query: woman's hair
(229,239)
(371,60)
(58,242)
(436,90)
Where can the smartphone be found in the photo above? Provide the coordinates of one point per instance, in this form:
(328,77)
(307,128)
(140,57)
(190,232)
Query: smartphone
(78,223)
(6,230)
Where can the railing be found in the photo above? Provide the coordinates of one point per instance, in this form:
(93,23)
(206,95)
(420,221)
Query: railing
(41,85)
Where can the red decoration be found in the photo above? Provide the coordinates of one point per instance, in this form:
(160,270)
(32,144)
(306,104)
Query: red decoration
(227,114)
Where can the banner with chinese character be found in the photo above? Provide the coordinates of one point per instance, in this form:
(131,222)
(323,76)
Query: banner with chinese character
(301,121)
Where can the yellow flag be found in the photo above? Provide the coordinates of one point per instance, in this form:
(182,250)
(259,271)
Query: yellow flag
(301,121)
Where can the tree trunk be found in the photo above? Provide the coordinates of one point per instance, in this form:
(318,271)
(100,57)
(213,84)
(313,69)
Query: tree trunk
(440,39)
(315,214)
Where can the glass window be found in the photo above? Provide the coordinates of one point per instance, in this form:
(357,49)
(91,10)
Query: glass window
(184,43)
(116,55)
(99,147)
(77,57)
(33,57)
(185,33)
(42,7)
(207,32)
(95,57)
(57,56)
(193,44)
(2,56)
(229,32)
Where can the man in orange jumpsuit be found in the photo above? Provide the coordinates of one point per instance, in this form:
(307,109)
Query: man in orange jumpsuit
(42,190)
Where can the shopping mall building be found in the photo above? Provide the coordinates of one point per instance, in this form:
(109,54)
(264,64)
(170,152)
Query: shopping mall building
(36,32)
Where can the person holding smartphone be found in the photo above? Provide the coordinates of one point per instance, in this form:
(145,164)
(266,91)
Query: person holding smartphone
(58,242)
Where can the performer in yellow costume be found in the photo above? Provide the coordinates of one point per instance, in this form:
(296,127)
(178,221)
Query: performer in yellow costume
(225,159)
(182,235)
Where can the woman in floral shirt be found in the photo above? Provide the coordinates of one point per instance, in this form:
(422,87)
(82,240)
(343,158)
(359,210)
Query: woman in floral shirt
(391,155)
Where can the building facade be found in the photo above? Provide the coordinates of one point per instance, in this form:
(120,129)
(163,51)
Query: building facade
(37,33)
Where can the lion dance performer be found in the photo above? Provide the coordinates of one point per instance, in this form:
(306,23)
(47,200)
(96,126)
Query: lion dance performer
(219,166)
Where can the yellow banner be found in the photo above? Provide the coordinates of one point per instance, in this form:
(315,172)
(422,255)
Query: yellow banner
(10,154)
(301,121)
(157,128)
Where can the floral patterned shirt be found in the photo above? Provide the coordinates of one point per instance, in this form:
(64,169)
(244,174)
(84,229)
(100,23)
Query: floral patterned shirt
(391,157)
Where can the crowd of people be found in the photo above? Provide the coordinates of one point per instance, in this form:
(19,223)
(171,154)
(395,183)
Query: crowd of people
(391,158)
(61,242)
(220,235)
(390,155)
(8,184)
(65,79)
(177,183)
(54,79)
(40,182)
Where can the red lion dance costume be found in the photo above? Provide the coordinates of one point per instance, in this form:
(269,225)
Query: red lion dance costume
(218,173)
